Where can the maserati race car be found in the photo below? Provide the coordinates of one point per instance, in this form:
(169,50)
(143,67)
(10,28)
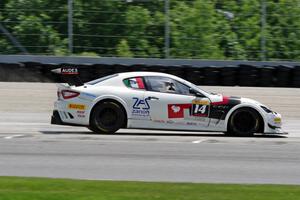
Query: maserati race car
(151,100)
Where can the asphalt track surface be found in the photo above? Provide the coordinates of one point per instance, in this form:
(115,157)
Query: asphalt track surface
(30,146)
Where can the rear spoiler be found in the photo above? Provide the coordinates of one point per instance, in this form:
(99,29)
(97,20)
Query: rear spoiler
(69,75)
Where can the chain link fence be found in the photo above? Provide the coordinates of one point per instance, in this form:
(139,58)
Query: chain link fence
(197,29)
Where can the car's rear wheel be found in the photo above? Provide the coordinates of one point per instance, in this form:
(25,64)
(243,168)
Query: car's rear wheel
(244,122)
(107,117)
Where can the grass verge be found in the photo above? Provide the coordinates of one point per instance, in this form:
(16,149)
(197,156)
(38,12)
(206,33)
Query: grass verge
(14,188)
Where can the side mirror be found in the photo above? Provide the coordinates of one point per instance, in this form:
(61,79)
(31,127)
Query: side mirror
(196,93)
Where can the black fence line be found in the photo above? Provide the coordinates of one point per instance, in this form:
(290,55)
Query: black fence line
(280,75)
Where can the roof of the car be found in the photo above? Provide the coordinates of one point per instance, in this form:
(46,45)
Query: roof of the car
(133,74)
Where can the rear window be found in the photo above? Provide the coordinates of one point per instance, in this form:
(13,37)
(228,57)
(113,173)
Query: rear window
(94,82)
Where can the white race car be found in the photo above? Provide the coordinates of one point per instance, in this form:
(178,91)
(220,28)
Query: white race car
(150,100)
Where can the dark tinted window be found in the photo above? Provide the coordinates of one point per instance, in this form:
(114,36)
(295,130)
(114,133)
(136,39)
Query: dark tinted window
(166,85)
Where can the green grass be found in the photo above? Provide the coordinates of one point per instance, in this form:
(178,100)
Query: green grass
(12,188)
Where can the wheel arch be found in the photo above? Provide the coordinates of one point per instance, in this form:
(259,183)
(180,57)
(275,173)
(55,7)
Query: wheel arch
(250,106)
(114,99)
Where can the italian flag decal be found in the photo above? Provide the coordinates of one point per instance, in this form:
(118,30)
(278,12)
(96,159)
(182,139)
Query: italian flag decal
(135,83)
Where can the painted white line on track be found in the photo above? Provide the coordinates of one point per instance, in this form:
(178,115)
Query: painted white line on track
(23,123)
(13,136)
(197,141)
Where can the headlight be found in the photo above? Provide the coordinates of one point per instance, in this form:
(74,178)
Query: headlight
(266,109)
(277,120)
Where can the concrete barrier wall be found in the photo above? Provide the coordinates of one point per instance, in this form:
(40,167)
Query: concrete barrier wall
(226,73)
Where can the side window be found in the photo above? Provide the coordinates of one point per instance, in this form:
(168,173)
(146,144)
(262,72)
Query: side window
(135,83)
(183,89)
(166,85)
(156,84)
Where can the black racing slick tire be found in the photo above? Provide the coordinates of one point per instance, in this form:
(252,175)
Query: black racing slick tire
(244,122)
(107,117)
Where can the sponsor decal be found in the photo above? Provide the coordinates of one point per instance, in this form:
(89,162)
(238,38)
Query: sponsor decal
(191,124)
(188,110)
(199,110)
(69,71)
(176,122)
(182,123)
(201,102)
(76,106)
(140,107)
(80,113)
(159,121)
(177,110)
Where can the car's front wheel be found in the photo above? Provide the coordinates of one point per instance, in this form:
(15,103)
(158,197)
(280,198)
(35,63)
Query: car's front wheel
(107,117)
(244,122)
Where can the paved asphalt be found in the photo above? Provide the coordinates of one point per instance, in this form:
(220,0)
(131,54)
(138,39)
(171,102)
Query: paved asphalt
(30,146)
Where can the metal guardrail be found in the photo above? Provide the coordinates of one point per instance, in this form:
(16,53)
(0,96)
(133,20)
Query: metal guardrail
(200,72)
(136,61)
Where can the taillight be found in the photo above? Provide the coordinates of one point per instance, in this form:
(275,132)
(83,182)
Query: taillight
(67,94)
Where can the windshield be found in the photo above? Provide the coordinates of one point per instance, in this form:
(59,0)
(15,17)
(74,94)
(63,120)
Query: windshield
(94,82)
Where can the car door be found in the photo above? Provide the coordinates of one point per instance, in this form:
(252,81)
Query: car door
(173,106)
(138,107)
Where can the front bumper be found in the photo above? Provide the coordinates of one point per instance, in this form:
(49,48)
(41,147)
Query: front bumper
(273,124)
(275,130)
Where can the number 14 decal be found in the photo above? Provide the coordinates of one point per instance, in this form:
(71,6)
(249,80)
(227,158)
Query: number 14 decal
(199,110)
